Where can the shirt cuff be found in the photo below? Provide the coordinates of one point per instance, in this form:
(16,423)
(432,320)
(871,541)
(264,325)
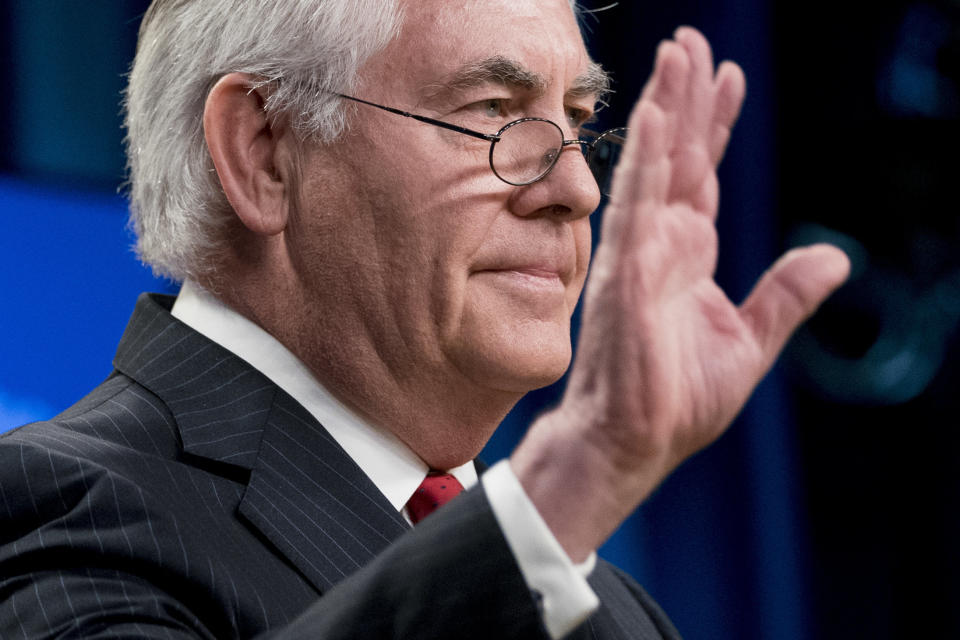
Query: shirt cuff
(566,598)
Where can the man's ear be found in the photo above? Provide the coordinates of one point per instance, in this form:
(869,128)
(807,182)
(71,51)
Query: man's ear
(245,149)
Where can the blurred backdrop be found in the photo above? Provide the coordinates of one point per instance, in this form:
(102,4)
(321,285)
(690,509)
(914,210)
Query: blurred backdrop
(831,509)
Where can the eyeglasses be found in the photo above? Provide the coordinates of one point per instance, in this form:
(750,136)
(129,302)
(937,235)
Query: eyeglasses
(526,150)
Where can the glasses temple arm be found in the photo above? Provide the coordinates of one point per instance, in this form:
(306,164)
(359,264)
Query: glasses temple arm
(437,123)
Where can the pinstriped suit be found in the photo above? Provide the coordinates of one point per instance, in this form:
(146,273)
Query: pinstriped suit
(189,497)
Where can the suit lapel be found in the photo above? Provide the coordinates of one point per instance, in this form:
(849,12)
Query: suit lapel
(305,494)
(313,502)
(220,402)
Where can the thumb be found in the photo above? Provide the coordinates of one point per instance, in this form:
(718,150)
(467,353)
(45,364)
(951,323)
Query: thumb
(790,291)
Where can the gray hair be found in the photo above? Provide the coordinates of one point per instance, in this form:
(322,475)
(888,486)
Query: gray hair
(177,207)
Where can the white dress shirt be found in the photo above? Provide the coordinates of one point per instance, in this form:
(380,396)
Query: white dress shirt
(395,469)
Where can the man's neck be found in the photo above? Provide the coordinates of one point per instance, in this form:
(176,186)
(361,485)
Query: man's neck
(390,464)
(444,419)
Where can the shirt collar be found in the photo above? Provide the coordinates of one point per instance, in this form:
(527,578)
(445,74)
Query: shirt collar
(388,462)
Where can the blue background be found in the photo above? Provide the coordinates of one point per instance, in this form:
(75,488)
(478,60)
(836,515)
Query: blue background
(829,509)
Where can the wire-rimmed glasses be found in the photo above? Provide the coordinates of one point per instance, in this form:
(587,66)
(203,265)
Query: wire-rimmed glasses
(526,150)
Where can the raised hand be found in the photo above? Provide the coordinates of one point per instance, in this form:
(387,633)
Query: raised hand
(665,360)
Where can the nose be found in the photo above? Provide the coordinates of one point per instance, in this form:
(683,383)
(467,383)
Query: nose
(567,192)
(569,189)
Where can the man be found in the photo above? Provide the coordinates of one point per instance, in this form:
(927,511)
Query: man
(366,296)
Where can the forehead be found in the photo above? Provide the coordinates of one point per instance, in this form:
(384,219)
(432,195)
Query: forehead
(439,38)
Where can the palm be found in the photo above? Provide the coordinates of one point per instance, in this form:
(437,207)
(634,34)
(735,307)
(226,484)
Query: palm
(665,357)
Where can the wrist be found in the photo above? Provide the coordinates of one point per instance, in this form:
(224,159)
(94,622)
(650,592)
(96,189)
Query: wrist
(582,486)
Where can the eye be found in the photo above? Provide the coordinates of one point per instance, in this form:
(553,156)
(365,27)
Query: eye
(577,117)
(490,108)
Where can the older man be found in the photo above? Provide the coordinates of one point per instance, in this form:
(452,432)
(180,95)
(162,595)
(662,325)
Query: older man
(380,216)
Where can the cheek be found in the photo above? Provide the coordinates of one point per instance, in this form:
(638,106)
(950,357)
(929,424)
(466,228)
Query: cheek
(582,238)
(424,247)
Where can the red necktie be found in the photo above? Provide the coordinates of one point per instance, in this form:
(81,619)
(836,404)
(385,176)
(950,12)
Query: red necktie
(436,490)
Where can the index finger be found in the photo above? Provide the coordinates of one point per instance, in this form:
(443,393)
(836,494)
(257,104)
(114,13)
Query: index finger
(731,90)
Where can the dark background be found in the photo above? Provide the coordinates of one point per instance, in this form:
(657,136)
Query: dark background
(830,508)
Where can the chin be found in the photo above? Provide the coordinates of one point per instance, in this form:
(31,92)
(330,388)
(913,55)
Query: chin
(499,346)
(521,367)
(544,370)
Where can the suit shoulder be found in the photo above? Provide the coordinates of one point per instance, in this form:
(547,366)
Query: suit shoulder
(118,417)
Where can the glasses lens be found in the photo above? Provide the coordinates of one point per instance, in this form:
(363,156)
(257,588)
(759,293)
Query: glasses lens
(527,149)
(604,155)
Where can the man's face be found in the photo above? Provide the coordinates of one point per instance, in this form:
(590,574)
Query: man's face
(418,257)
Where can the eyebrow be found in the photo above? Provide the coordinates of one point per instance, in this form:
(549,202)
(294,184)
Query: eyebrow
(494,70)
(595,82)
(505,71)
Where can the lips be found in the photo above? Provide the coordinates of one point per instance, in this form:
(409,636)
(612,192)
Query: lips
(540,267)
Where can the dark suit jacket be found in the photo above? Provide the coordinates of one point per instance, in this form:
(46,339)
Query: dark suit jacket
(189,497)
